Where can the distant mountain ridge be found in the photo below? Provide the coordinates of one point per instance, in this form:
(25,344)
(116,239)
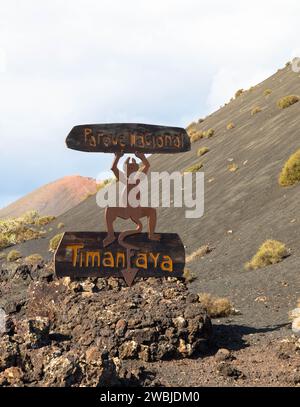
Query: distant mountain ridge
(54,198)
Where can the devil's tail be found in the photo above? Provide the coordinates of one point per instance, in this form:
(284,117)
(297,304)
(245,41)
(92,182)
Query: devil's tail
(127,233)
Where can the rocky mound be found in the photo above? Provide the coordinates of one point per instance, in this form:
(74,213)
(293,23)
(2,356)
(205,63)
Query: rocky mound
(93,332)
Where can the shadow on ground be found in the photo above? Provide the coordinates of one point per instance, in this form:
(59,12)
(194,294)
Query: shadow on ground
(233,337)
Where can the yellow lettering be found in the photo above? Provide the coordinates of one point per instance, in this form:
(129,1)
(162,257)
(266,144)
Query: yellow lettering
(122,140)
(120,256)
(89,138)
(167,264)
(168,140)
(93,256)
(154,258)
(108,260)
(176,141)
(160,141)
(141,261)
(75,248)
(140,141)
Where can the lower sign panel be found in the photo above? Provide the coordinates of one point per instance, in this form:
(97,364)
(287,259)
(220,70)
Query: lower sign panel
(81,254)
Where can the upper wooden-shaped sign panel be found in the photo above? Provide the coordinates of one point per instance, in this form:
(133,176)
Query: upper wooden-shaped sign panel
(129,138)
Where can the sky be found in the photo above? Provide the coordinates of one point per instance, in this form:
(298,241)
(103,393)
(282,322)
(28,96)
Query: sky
(168,62)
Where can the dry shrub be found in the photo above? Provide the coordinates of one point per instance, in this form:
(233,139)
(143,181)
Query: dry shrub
(230,126)
(191,126)
(202,150)
(54,242)
(239,93)
(233,167)
(44,220)
(14,255)
(195,136)
(216,307)
(18,230)
(60,225)
(287,101)
(193,168)
(201,252)
(290,173)
(33,258)
(267,92)
(270,252)
(188,275)
(255,110)
(208,133)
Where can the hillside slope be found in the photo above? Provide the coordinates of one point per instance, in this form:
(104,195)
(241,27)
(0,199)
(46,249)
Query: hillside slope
(249,203)
(54,198)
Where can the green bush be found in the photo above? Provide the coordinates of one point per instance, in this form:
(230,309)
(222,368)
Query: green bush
(287,101)
(290,173)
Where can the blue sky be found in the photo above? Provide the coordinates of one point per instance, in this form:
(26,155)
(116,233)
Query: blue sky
(168,62)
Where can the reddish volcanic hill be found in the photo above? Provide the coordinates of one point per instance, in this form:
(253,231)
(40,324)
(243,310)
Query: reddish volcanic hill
(54,198)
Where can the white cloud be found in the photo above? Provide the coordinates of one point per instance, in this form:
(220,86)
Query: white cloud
(168,62)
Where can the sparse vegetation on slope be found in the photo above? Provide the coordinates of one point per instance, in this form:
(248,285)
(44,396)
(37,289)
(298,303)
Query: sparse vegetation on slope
(233,167)
(290,173)
(202,150)
(14,255)
(216,307)
(44,220)
(188,275)
(267,92)
(230,126)
(287,101)
(17,230)
(193,168)
(270,252)
(201,252)
(195,136)
(208,133)
(255,110)
(33,258)
(239,93)
(53,244)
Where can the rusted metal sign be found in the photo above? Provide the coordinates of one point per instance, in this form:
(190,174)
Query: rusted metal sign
(129,138)
(83,254)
